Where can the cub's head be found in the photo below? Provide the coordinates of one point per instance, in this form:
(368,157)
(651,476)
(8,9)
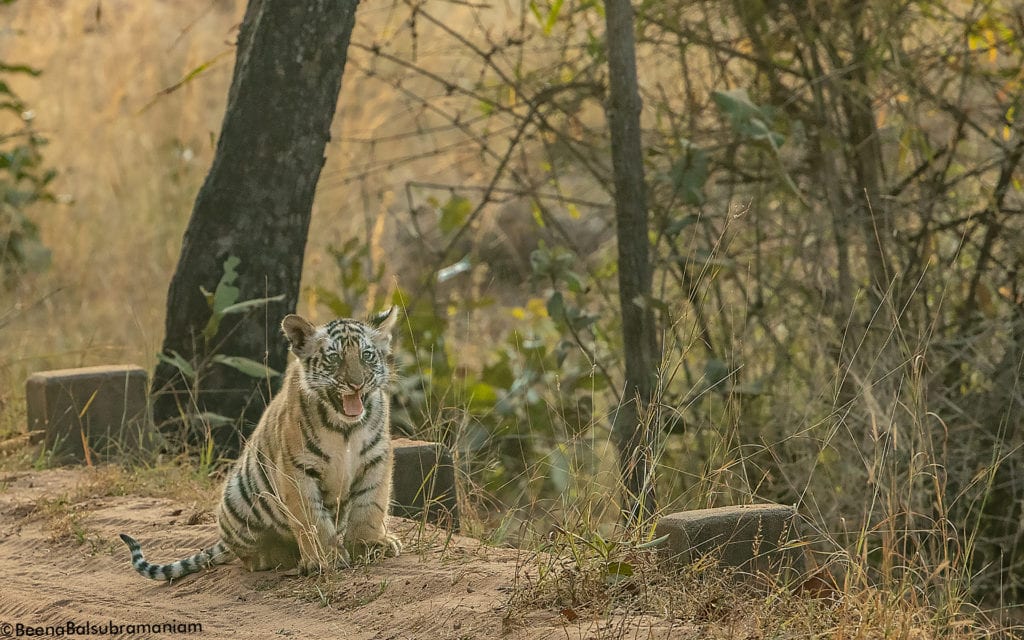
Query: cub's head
(343,360)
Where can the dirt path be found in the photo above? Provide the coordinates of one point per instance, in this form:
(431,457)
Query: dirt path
(62,562)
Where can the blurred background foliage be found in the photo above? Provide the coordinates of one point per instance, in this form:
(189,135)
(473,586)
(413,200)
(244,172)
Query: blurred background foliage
(837,229)
(835,195)
(23,180)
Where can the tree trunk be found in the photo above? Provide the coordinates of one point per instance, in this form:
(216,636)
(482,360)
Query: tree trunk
(255,205)
(635,421)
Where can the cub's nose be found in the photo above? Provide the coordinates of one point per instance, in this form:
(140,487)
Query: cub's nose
(356,387)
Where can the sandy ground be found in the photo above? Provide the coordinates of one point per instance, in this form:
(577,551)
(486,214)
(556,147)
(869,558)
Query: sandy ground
(50,575)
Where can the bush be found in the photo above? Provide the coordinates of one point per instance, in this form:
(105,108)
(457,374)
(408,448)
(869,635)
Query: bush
(23,182)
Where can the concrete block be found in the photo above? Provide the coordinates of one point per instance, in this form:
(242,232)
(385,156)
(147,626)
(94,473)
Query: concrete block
(751,537)
(104,407)
(424,480)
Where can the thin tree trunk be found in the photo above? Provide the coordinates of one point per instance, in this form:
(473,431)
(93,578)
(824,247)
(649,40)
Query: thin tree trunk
(635,421)
(255,205)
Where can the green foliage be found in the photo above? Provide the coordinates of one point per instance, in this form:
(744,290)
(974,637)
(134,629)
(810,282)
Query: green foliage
(23,182)
(248,366)
(354,278)
(547,17)
(749,120)
(533,389)
(688,175)
(223,301)
(580,570)
(179,362)
(835,191)
(454,213)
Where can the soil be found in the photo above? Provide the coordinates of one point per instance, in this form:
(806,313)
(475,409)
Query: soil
(65,563)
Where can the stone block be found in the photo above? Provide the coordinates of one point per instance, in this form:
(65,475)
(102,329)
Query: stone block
(424,483)
(751,537)
(103,408)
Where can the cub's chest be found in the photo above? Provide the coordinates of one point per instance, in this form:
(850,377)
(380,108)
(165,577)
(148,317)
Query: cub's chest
(348,456)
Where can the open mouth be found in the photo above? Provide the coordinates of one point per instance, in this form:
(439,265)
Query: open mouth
(351,405)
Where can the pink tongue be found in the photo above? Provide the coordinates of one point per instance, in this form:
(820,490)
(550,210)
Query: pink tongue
(351,404)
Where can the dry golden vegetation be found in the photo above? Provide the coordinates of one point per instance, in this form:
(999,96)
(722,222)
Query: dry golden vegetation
(564,585)
(839,294)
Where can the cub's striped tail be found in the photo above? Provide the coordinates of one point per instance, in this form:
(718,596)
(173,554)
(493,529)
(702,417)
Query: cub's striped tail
(217,554)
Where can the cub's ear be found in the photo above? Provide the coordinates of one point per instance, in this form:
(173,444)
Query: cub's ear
(384,323)
(300,334)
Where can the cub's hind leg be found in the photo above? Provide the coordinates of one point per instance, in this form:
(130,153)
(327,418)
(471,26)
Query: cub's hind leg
(275,553)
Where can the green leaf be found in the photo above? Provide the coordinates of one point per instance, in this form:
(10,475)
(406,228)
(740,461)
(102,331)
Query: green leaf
(14,106)
(333,301)
(19,68)
(549,23)
(676,225)
(178,362)
(650,544)
(540,261)
(225,295)
(535,10)
(755,388)
(574,281)
(452,270)
(538,216)
(560,470)
(593,382)
(737,104)
(482,395)
(595,46)
(500,373)
(562,351)
(454,213)
(245,305)
(556,307)
(746,118)
(602,546)
(191,75)
(213,419)
(689,174)
(618,571)
(715,373)
(246,365)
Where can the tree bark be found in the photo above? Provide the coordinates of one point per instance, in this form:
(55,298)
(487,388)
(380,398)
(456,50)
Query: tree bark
(635,421)
(255,205)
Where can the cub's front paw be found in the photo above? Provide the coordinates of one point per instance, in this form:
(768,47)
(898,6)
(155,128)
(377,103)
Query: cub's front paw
(337,558)
(392,546)
(388,546)
(311,567)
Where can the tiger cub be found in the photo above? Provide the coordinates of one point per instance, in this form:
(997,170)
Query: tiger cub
(313,483)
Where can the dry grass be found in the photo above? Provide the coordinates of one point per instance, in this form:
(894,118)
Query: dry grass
(587,582)
(130,162)
(171,480)
(580,571)
(65,515)
(126,178)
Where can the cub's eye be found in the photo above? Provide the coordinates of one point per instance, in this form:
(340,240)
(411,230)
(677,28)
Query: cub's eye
(332,358)
(369,355)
